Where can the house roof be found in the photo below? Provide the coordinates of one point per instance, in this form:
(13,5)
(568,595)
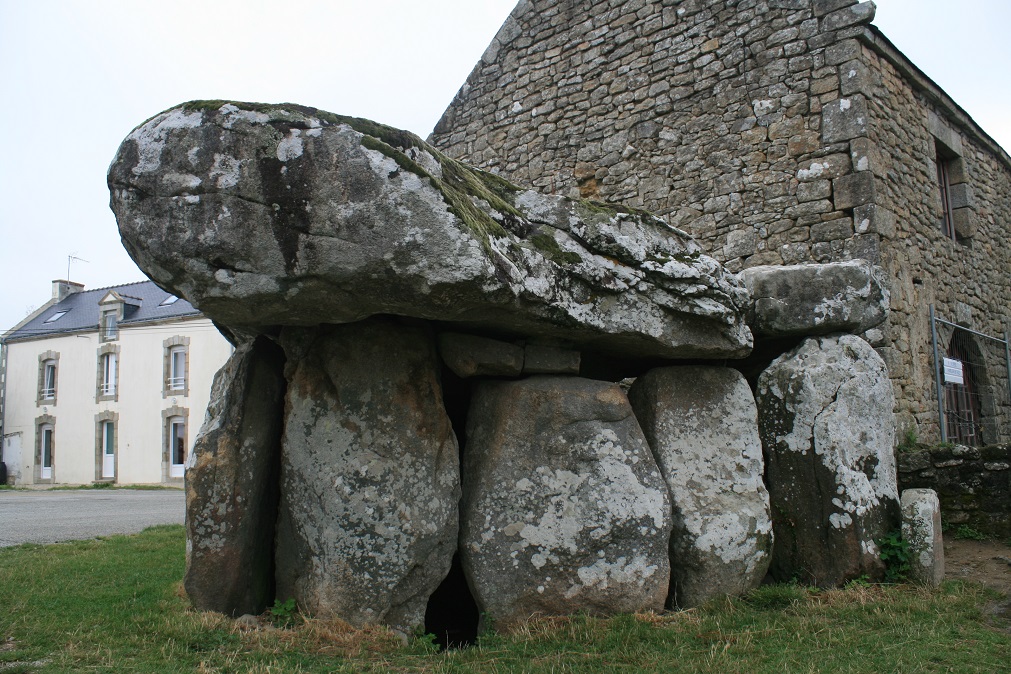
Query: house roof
(80,312)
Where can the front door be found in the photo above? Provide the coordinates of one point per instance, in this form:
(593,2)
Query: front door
(108,450)
(46,471)
(177,447)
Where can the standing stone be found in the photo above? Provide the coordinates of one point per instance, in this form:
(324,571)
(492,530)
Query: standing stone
(825,417)
(232,485)
(921,529)
(702,424)
(564,508)
(370,481)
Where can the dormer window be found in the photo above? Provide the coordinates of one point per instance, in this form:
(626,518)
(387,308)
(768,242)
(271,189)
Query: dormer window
(109,325)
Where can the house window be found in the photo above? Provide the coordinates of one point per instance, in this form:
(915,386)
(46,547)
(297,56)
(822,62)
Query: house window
(109,326)
(176,369)
(945,165)
(105,446)
(108,373)
(48,366)
(45,453)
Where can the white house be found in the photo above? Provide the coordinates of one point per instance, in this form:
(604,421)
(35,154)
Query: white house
(106,385)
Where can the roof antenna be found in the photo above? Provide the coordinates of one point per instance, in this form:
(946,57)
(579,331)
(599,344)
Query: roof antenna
(71,258)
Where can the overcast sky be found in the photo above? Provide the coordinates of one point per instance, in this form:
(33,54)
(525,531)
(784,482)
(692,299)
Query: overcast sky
(77,75)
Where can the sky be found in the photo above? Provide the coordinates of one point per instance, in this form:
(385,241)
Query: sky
(76,76)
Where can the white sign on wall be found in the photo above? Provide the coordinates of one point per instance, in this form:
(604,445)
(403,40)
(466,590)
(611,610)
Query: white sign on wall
(953,373)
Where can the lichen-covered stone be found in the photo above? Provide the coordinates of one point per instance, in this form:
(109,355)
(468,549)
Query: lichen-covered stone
(283,215)
(564,508)
(815,299)
(702,425)
(921,529)
(232,485)
(825,418)
(369,476)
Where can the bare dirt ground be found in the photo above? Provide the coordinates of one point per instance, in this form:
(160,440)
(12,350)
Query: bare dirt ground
(986,562)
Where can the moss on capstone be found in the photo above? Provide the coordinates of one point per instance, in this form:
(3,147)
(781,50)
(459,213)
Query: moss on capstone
(549,247)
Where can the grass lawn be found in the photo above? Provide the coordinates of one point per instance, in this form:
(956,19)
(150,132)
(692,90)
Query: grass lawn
(116,605)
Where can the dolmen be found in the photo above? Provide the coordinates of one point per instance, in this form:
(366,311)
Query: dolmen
(441,379)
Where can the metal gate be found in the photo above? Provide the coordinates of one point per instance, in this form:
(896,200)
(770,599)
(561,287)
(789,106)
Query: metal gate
(972,372)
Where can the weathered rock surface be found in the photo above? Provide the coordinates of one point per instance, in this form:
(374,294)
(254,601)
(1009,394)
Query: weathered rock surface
(370,481)
(564,508)
(232,485)
(815,299)
(702,425)
(825,417)
(264,215)
(472,356)
(921,529)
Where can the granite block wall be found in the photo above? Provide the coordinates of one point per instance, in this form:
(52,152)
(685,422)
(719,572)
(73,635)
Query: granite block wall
(774,131)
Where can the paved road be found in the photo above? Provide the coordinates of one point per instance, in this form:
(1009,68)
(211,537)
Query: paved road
(28,516)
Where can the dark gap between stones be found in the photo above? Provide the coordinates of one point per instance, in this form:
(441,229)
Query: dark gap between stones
(452,614)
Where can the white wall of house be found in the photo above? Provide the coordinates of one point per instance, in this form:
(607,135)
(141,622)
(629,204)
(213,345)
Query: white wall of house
(140,405)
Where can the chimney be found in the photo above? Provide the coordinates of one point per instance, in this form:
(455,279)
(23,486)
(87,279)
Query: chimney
(64,289)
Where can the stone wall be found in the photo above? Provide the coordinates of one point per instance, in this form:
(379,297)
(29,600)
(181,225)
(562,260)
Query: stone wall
(967,280)
(709,113)
(774,131)
(973,484)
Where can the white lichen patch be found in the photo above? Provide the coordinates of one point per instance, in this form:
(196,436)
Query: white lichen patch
(290,146)
(225,171)
(233,115)
(152,136)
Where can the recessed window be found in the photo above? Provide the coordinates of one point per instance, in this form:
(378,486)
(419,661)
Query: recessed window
(171,299)
(55,317)
(49,367)
(945,166)
(109,374)
(107,381)
(177,365)
(49,380)
(176,370)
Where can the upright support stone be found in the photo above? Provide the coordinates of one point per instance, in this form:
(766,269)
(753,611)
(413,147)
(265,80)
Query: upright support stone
(370,481)
(702,425)
(921,529)
(825,416)
(232,485)
(564,508)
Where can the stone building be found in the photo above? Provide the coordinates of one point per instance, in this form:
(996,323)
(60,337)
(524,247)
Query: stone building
(776,132)
(106,385)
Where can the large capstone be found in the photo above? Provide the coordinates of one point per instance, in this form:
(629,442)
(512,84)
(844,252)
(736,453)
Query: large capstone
(266,215)
(564,508)
(232,485)
(825,417)
(815,299)
(702,424)
(370,481)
